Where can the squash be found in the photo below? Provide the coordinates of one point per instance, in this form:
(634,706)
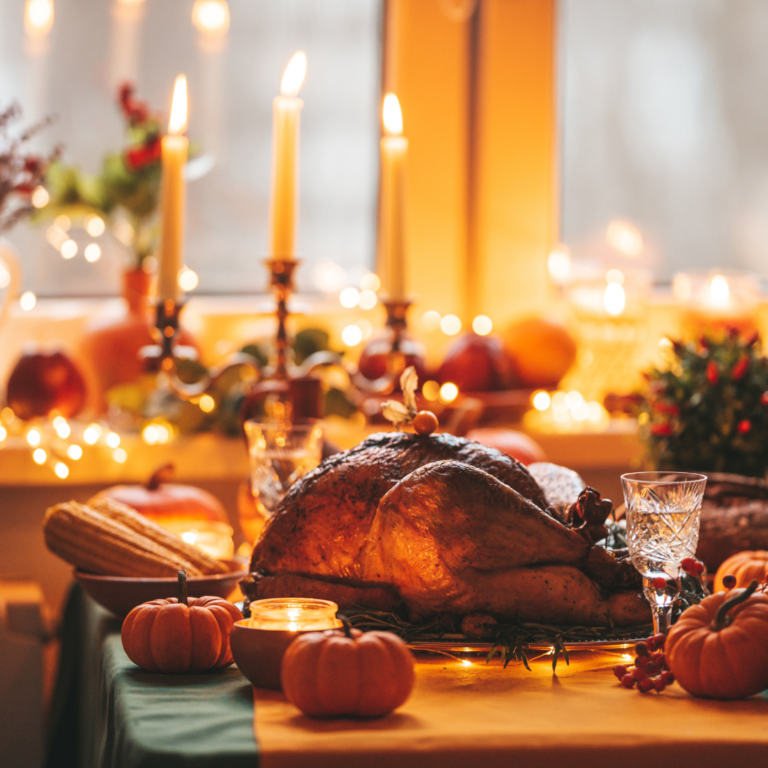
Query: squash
(745,566)
(719,648)
(345,672)
(163,502)
(180,635)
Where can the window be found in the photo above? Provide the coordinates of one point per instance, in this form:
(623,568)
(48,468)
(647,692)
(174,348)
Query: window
(664,123)
(73,73)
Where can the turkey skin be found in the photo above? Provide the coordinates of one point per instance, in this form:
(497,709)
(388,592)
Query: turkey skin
(442,525)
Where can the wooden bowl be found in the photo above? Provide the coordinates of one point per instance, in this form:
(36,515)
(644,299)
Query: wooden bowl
(121,594)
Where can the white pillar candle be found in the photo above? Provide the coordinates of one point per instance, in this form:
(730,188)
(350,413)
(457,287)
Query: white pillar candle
(175,148)
(394,154)
(285,160)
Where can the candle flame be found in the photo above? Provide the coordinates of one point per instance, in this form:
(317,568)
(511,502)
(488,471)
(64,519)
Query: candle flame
(38,17)
(614,299)
(179,113)
(293,77)
(392,115)
(719,292)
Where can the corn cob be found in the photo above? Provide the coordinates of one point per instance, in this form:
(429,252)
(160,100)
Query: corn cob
(129,517)
(94,543)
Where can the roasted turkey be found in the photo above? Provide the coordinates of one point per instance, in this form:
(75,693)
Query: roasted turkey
(442,525)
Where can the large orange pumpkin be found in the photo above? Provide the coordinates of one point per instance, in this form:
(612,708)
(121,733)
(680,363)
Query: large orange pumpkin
(719,648)
(187,634)
(337,673)
(745,566)
(166,502)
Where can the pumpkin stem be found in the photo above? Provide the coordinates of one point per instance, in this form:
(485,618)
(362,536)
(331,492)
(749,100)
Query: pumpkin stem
(183,588)
(161,475)
(722,619)
(347,624)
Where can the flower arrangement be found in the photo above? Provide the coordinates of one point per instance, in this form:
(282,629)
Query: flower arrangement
(20,173)
(127,189)
(708,411)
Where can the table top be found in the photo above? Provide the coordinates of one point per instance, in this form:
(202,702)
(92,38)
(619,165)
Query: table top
(460,714)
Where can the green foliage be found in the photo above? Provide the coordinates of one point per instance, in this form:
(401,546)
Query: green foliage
(708,411)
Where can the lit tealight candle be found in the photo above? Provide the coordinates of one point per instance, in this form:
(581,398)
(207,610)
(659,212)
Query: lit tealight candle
(175,147)
(294,614)
(286,109)
(212,537)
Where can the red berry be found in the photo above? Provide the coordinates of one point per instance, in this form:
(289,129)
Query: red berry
(713,376)
(639,673)
(645,685)
(699,568)
(729,581)
(659,640)
(628,681)
(659,684)
(660,659)
(744,426)
(641,661)
(659,583)
(668,677)
(740,369)
(641,648)
(764,398)
(620,670)
(688,564)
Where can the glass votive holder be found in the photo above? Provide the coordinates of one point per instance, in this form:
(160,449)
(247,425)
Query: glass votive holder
(212,537)
(715,300)
(259,643)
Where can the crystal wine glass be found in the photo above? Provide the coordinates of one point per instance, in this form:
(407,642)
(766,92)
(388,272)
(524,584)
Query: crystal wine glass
(663,510)
(280,454)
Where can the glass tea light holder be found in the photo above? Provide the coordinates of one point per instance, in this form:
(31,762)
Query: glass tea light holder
(259,642)
(212,537)
(716,300)
(608,311)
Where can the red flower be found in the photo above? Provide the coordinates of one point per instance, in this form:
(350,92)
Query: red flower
(139,157)
(712,373)
(744,426)
(661,430)
(740,369)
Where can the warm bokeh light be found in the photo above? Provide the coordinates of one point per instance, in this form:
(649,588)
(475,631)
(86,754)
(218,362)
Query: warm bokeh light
(3,433)
(7,415)
(39,456)
(559,264)
(625,237)
(92,252)
(27,301)
(482,325)
(75,452)
(112,439)
(207,403)
(614,299)
(5,276)
(541,400)
(431,390)
(211,16)
(91,434)
(449,392)
(430,320)
(61,470)
(123,232)
(69,249)
(62,427)
(719,291)
(40,197)
(177,123)
(352,335)
(614,276)
(392,115)
(38,17)
(188,279)
(295,72)
(94,226)
(365,328)
(450,325)
(119,455)
(56,236)
(370,282)
(368,300)
(149,434)
(63,222)
(349,298)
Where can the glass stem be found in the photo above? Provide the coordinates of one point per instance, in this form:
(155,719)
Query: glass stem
(662,619)
(661,600)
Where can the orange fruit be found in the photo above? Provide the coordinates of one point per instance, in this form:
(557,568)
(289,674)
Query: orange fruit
(543,351)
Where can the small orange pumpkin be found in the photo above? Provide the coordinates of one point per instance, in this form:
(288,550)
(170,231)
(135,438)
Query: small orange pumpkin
(180,635)
(745,566)
(337,673)
(719,648)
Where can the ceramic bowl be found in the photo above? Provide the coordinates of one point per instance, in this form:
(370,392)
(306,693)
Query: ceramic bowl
(120,594)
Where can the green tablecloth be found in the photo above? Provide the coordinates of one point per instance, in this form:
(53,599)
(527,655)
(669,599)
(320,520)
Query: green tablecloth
(107,713)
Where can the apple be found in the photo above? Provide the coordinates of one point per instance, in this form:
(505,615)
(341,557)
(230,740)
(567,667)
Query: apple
(477,364)
(41,383)
(373,360)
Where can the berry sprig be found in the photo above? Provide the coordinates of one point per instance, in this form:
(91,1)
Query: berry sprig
(424,422)
(650,671)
